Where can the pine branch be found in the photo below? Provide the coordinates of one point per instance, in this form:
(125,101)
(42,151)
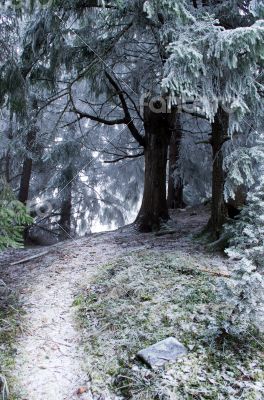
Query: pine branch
(124,158)
(81,115)
(129,120)
(86,4)
(108,49)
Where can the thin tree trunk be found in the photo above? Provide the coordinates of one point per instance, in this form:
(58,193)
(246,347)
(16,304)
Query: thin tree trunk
(219,209)
(7,166)
(66,207)
(8,158)
(175,182)
(23,195)
(158,130)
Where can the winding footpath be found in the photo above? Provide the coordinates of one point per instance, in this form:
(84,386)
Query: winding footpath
(49,362)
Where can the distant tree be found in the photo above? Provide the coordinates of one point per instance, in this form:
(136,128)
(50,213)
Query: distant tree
(175,180)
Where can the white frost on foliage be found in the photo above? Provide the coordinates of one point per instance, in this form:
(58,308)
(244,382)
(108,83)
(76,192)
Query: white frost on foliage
(242,166)
(244,292)
(256,7)
(217,67)
(148,9)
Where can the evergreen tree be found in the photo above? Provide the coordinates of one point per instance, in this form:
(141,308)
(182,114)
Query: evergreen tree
(210,63)
(244,292)
(124,88)
(200,61)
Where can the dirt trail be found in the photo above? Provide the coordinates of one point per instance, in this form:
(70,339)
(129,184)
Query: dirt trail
(49,361)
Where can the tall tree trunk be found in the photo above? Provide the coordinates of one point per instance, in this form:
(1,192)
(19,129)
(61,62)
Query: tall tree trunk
(8,157)
(219,137)
(66,206)
(175,183)
(27,167)
(23,195)
(158,130)
(7,166)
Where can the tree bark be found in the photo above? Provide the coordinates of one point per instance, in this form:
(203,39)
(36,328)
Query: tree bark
(175,182)
(158,130)
(7,166)
(219,209)
(66,206)
(234,206)
(8,157)
(23,195)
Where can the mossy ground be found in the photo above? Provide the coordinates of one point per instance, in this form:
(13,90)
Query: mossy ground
(145,297)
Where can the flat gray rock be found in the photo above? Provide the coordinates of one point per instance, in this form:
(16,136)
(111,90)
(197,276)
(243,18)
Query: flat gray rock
(162,352)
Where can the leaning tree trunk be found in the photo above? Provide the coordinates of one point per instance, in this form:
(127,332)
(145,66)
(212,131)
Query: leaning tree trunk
(175,182)
(158,130)
(23,195)
(219,209)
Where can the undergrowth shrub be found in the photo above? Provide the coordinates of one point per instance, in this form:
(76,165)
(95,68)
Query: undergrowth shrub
(244,292)
(13,218)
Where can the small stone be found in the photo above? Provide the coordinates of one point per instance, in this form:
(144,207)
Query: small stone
(162,352)
(82,390)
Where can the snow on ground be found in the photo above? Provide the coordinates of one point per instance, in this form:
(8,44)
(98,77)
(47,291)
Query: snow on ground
(49,363)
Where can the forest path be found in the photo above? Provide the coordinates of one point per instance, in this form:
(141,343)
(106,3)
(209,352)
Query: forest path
(48,361)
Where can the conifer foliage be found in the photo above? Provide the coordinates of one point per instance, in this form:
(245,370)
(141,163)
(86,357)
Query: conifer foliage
(13,219)
(81,85)
(244,292)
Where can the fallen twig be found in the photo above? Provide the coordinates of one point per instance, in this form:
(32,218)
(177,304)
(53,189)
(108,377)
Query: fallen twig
(24,260)
(217,273)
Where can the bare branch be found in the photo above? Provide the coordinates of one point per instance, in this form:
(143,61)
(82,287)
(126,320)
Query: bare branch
(81,114)
(124,158)
(128,119)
